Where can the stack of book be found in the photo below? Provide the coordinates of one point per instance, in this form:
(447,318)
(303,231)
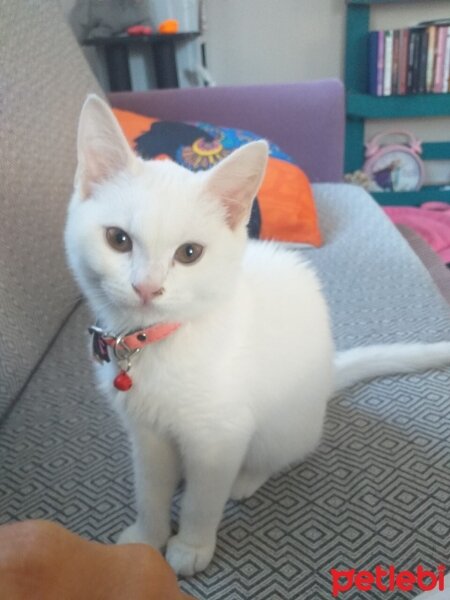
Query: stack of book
(410,61)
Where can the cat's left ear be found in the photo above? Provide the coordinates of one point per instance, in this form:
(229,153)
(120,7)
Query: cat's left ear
(236,180)
(103,150)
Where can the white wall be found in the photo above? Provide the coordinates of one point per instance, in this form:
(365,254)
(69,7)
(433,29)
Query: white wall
(267,41)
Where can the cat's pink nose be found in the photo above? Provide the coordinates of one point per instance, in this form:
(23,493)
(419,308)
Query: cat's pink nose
(147,291)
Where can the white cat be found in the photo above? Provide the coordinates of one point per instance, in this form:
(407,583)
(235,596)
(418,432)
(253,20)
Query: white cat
(237,388)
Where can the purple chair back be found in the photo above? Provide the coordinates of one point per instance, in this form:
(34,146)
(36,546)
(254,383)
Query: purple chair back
(305,119)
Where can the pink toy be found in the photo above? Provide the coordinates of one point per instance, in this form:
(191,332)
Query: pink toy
(394,167)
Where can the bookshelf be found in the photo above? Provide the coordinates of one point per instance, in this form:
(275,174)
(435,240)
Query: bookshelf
(361,105)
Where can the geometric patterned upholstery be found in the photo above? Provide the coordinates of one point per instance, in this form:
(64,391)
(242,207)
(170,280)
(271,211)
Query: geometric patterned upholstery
(377,491)
(44,79)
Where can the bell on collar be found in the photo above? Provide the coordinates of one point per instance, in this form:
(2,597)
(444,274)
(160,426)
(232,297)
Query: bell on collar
(123,381)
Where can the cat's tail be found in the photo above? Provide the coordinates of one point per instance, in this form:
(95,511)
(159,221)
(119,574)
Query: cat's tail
(366,362)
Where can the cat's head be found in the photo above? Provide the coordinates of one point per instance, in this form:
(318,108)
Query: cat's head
(150,240)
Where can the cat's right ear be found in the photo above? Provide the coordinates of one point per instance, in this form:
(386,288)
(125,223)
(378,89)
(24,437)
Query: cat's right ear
(103,150)
(236,180)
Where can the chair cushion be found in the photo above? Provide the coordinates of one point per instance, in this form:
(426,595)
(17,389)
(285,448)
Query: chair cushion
(44,79)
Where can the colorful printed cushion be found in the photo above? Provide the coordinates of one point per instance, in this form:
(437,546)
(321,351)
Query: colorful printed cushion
(284,209)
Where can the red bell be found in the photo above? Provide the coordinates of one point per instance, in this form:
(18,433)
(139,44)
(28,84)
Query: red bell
(123,381)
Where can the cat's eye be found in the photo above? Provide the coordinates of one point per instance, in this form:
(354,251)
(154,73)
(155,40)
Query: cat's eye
(188,253)
(118,239)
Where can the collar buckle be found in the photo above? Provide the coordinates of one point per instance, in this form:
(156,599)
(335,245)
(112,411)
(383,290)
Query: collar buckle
(123,352)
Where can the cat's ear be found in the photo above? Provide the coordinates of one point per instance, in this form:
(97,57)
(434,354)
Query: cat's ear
(236,180)
(103,150)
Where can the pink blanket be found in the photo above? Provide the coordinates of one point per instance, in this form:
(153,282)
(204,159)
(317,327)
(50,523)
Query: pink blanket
(431,221)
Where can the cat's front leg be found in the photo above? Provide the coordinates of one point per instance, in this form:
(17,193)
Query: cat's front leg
(157,472)
(210,472)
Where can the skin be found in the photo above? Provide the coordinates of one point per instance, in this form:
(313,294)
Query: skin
(42,560)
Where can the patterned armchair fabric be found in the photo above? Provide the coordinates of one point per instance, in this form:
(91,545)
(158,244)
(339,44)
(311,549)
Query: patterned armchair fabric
(44,79)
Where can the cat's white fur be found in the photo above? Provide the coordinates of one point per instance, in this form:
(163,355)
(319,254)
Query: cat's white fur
(240,390)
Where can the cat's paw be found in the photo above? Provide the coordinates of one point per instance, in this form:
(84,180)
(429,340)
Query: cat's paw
(136,534)
(186,559)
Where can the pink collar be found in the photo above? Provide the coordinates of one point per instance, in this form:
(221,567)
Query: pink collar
(124,346)
(136,340)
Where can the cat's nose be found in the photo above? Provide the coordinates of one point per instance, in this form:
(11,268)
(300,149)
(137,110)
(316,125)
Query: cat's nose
(147,291)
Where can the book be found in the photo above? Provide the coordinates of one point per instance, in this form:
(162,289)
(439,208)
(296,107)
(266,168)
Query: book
(439,59)
(422,66)
(395,61)
(403,60)
(430,57)
(414,60)
(413,54)
(446,70)
(380,64)
(387,80)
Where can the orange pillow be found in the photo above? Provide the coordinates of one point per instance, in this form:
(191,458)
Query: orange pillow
(284,209)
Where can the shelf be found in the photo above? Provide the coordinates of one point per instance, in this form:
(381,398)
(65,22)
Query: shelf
(130,40)
(389,107)
(426,194)
(435,151)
